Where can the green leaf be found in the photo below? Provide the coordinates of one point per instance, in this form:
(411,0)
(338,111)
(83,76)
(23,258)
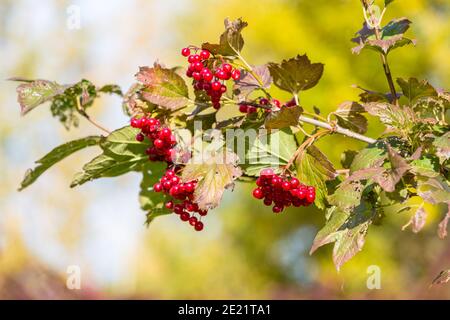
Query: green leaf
(122,143)
(283,118)
(231,41)
(347,230)
(121,154)
(56,155)
(215,172)
(349,116)
(394,117)
(67,101)
(426,166)
(296,74)
(111,89)
(271,150)
(372,156)
(248,83)
(163,87)
(314,168)
(347,195)
(328,233)
(414,89)
(33,93)
(150,201)
(105,166)
(349,242)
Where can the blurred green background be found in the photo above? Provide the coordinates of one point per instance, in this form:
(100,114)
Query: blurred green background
(246,251)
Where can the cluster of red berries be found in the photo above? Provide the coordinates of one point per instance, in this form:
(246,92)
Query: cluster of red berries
(249,109)
(182,194)
(209,80)
(282,191)
(162,138)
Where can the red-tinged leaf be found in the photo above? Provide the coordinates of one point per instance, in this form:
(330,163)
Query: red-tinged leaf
(417,221)
(231,41)
(214,172)
(34,93)
(247,83)
(283,118)
(390,177)
(349,242)
(349,116)
(415,90)
(433,191)
(296,74)
(442,228)
(163,87)
(443,277)
(391,37)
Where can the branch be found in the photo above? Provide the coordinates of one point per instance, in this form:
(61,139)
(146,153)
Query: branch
(337,129)
(387,70)
(88,118)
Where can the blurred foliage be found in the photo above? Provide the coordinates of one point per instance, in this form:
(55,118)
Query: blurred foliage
(247,252)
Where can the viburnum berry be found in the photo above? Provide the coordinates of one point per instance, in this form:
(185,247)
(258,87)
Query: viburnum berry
(161,138)
(180,197)
(204,54)
(282,191)
(211,80)
(236,74)
(185,52)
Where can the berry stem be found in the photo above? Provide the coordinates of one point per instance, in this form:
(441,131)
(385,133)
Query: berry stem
(308,142)
(88,118)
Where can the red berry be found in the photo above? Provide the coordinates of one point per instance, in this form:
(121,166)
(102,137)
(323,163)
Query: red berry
(207,76)
(178,209)
(277,103)
(221,74)
(258,193)
(198,226)
(191,59)
(185,52)
(196,58)
(204,54)
(251,109)
(140,137)
(264,101)
(158,143)
(294,183)
(243,108)
(157,187)
(184,216)
(193,221)
(169,205)
(135,123)
(189,187)
(202,212)
(268,172)
(227,67)
(216,85)
(277,209)
(286,185)
(197,76)
(235,74)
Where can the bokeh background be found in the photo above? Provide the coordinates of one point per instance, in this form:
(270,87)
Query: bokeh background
(245,252)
